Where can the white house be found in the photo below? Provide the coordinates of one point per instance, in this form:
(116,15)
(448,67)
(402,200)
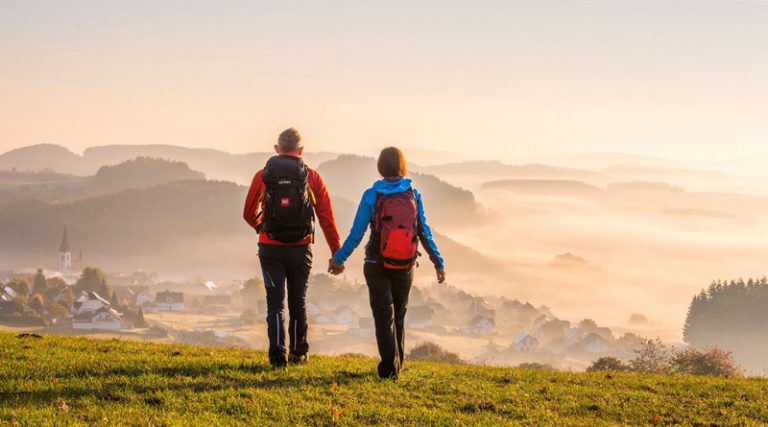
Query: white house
(481,325)
(143,297)
(261,306)
(345,316)
(104,319)
(7,294)
(169,301)
(594,343)
(61,297)
(312,309)
(88,302)
(419,316)
(574,335)
(524,342)
(364,327)
(322,318)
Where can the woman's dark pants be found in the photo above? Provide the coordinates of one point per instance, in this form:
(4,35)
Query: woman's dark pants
(388,291)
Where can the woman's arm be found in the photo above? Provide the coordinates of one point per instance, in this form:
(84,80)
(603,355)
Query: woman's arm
(359,226)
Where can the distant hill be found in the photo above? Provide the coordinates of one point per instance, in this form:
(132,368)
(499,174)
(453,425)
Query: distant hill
(30,190)
(497,168)
(645,186)
(42,157)
(603,160)
(572,262)
(216,164)
(348,176)
(143,172)
(543,186)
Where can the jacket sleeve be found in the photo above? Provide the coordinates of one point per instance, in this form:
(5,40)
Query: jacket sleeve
(253,201)
(425,236)
(359,226)
(324,212)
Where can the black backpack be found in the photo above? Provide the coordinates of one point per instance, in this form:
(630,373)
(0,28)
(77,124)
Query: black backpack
(288,216)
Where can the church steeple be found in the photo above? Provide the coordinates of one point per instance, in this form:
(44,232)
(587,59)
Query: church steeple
(65,256)
(64,247)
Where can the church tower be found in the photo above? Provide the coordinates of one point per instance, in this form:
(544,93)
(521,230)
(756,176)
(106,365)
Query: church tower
(65,255)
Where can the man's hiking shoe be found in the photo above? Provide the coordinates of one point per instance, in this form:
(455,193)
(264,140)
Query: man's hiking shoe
(279,363)
(295,359)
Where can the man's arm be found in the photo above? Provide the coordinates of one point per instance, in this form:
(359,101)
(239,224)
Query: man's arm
(425,235)
(324,211)
(253,201)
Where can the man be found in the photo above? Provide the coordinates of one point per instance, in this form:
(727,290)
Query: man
(281,205)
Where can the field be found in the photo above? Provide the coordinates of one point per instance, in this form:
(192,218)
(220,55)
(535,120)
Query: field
(78,381)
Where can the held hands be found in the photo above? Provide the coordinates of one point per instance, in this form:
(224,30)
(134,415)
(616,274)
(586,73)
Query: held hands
(440,276)
(335,268)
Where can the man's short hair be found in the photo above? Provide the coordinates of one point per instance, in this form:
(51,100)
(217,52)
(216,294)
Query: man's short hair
(289,140)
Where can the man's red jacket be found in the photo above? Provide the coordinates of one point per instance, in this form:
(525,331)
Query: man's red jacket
(322,204)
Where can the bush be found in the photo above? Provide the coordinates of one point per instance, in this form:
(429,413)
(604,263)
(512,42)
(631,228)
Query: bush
(431,352)
(37,303)
(536,366)
(652,357)
(250,317)
(716,362)
(608,363)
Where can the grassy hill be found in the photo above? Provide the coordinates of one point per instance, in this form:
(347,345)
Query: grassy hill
(66,381)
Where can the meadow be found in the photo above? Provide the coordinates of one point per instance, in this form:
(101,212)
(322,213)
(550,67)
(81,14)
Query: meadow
(52,380)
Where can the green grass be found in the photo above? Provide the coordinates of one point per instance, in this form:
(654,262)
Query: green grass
(111,382)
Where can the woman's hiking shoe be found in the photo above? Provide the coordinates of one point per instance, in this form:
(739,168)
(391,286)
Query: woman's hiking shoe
(280,363)
(295,359)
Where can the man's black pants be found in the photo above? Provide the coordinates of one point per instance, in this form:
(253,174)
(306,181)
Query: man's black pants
(388,291)
(286,267)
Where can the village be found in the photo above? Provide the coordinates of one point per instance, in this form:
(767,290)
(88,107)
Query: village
(79,300)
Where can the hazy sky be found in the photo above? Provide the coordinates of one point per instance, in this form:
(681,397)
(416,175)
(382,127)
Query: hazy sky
(671,78)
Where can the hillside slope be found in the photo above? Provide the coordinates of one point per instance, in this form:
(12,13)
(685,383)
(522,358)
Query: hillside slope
(185,227)
(67,381)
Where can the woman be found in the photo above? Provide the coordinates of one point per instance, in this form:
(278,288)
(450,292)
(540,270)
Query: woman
(395,214)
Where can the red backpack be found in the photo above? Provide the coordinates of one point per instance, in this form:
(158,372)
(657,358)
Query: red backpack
(396,226)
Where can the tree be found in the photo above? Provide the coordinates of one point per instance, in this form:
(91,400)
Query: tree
(58,311)
(20,286)
(732,316)
(431,352)
(250,317)
(37,303)
(140,321)
(40,285)
(94,280)
(55,283)
(69,297)
(253,291)
(716,362)
(588,325)
(652,357)
(608,363)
